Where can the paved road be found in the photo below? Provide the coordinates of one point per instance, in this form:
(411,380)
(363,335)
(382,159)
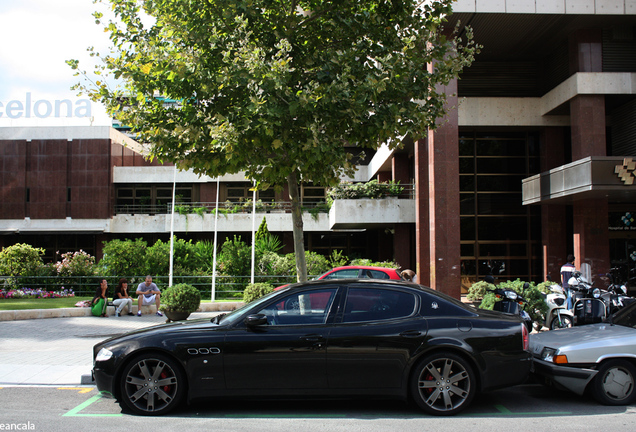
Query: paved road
(58,351)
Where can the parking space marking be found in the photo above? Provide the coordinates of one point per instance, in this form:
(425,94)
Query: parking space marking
(79,389)
(503,411)
(76,412)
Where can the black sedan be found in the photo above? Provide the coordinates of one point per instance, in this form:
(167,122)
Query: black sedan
(324,338)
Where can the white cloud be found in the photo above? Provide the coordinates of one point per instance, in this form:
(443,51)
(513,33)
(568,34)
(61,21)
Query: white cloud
(37,37)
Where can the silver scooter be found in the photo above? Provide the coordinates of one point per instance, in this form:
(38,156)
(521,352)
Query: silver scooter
(558,315)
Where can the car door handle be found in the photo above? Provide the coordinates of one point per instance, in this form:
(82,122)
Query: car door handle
(313,337)
(411,333)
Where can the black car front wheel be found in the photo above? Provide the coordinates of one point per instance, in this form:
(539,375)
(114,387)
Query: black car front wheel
(152,384)
(443,384)
(614,383)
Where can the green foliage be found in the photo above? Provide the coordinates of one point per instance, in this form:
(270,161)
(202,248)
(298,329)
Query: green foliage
(478,291)
(337,259)
(368,262)
(276,89)
(371,189)
(544,287)
(535,303)
(124,258)
(234,258)
(268,243)
(316,264)
(256,291)
(262,229)
(204,254)
(20,259)
(272,264)
(180,298)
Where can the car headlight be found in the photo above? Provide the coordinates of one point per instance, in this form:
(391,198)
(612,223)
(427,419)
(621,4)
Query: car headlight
(511,295)
(596,293)
(550,355)
(103,355)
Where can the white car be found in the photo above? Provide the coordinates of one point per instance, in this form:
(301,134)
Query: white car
(599,358)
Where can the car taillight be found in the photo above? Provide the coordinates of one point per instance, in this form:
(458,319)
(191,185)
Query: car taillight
(526,337)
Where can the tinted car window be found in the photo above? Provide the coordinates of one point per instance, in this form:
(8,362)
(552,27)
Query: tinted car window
(343,274)
(306,307)
(375,274)
(365,304)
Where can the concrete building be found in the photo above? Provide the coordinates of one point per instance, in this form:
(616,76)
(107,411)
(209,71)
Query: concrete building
(536,162)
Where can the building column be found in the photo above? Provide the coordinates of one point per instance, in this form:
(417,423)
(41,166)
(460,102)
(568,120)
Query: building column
(587,120)
(554,241)
(402,239)
(440,265)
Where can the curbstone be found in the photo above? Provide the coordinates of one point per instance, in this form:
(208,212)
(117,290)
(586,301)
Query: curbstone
(27,314)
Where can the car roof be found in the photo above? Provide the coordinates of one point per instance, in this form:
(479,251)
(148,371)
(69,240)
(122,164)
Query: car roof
(364,267)
(378,283)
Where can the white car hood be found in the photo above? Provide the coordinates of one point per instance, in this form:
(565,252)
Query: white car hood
(586,343)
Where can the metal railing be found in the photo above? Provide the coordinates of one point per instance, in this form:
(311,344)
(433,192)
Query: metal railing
(232,207)
(226,287)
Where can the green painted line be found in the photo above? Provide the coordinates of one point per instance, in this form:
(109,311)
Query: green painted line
(510,413)
(75,412)
(502,409)
(291,416)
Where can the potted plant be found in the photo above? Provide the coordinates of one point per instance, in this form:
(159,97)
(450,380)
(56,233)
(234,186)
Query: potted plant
(179,301)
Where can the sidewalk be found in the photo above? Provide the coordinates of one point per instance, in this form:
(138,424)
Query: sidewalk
(59,350)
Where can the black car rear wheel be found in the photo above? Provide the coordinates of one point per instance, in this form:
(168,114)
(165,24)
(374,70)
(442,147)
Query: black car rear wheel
(614,383)
(152,384)
(443,384)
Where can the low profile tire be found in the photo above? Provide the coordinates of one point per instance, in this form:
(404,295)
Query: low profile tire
(443,384)
(614,383)
(566,322)
(152,384)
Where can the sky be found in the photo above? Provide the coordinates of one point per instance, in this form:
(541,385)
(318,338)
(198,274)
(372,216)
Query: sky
(37,37)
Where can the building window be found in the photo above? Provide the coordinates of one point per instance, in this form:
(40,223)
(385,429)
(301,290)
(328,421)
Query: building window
(312,195)
(145,199)
(499,235)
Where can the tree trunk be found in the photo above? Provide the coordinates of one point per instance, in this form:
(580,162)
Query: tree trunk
(297,221)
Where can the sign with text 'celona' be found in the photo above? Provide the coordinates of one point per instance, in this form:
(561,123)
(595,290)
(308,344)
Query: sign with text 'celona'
(34,111)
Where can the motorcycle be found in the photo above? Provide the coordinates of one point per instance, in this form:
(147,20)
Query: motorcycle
(589,308)
(512,302)
(616,295)
(557,316)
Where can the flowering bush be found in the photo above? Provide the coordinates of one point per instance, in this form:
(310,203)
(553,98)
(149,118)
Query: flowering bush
(76,264)
(30,293)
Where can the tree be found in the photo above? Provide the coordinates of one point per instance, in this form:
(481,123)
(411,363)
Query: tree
(124,258)
(277,88)
(20,259)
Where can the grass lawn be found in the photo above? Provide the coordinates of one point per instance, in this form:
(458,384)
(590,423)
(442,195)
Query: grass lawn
(54,303)
(42,303)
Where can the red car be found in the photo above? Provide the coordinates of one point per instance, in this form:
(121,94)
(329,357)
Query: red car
(346,272)
(362,272)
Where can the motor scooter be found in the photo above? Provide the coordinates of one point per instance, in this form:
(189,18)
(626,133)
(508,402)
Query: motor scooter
(558,315)
(588,307)
(512,302)
(616,297)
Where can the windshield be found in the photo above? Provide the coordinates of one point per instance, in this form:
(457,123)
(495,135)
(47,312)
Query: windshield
(233,316)
(626,316)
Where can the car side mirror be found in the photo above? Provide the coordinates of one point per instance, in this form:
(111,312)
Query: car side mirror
(255,320)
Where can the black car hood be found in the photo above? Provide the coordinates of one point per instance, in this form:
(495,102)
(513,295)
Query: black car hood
(169,328)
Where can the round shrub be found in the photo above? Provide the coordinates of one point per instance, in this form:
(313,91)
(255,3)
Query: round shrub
(180,298)
(256,291)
